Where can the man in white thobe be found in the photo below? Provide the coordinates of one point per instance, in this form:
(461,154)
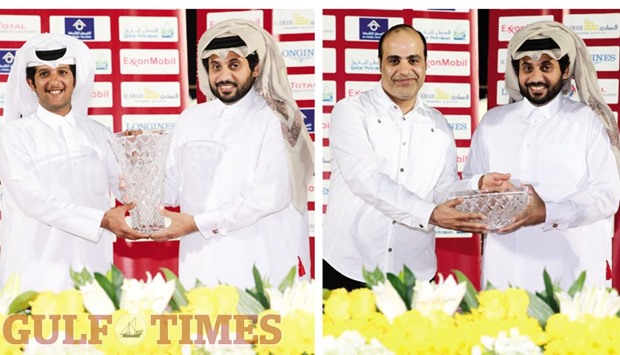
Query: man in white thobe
(239,165)
(562,149)
(57,169)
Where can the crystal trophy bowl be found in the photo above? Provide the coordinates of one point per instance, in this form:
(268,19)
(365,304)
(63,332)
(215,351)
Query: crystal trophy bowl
(499,207)
(142,158)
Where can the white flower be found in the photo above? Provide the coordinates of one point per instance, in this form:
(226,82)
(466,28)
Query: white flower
(594,300)
(352,342)
(515,344)
(10,290)
(388,301)
(445,296)
(300,296)
(153,295)
(96,301)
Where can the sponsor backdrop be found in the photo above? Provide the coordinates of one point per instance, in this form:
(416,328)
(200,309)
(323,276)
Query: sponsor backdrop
(141,82)
(600,30)
(351,65)
(294,32)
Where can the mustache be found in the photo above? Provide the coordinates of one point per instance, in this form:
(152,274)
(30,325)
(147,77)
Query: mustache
(538,83)
(225,82)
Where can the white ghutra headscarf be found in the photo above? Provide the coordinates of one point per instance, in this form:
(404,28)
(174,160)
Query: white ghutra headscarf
(21,101)
(272,84)
(581,70)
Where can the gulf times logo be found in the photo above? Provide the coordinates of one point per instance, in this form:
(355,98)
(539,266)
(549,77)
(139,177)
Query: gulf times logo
(82,28)
(7,57)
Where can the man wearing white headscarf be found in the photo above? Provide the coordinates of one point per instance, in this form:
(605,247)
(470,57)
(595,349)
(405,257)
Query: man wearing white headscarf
(57,169)
(566,151)
(239,165)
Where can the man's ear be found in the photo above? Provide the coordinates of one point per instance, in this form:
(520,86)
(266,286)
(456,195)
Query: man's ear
(30,82)
(256,71)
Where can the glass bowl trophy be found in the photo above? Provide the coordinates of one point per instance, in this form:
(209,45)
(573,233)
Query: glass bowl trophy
(499,207)
(142,158)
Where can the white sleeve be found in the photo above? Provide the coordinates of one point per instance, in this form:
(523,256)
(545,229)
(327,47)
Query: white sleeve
(16,174)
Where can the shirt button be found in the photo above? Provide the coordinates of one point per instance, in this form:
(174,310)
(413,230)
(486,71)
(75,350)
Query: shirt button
(389,250)
(401,170)
(555,225)
(393,222)
(395,107)
(379,120)
(404,143)
(432,130)
(404,119)
(421,226)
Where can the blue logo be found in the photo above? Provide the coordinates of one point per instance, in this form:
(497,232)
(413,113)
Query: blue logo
(82,28)
(372,28)
(7,57)
(308,119)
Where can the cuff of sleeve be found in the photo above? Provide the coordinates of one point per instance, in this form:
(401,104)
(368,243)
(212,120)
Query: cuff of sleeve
(86,223)
(556,217)
(209,223)
(422,215)
(473,182)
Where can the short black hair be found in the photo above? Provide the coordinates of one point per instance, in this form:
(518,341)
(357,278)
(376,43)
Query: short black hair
(31,71)
(537,45)
(397,28)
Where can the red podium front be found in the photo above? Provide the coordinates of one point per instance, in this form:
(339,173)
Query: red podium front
(134,259)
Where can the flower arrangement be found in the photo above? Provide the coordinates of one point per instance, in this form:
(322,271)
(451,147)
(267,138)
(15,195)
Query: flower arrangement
(398,314)
(109,314)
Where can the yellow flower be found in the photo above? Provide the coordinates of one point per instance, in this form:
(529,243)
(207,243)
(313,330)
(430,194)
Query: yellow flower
(296,333)
(65,302)
(362,303)
(212,301)
(497,305)
(337,305)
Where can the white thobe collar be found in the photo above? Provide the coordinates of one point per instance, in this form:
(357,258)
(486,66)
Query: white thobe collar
(549,110)
(53,120)
(246,102)
(386,102)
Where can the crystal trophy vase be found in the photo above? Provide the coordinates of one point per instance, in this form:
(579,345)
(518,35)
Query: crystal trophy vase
(142,158)
(499,207)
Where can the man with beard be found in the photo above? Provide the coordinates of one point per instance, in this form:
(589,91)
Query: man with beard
(239,165)
(57,169)
(394,163)
(566,152)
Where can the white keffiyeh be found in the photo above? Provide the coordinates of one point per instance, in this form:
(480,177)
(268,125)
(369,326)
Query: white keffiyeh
(21,101)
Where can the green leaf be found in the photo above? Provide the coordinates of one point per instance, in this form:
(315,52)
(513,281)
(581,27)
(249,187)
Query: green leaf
(549,296)
(248,304)
(577,285)
(288,280)
(470,300)
(259,290)
(22,302)
(179,298)
(117,279)
(539,309)
(80,278)
(108,287)
(400,288)
(373,278)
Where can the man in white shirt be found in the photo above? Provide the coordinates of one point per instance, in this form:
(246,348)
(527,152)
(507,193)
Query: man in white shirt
(562,149)
(57,169)
(239,165)
(394,160)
